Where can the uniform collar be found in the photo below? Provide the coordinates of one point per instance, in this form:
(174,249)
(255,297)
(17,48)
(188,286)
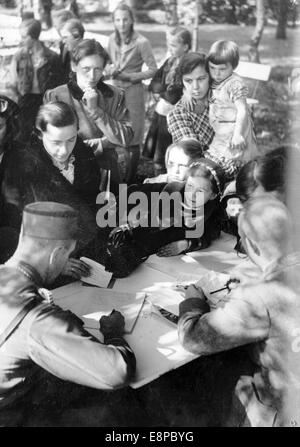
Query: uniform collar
(30,272)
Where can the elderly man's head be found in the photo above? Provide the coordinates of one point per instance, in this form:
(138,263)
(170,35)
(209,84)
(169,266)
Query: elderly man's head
(57,125)
(265,228)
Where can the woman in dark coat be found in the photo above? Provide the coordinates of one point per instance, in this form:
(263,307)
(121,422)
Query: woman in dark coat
(8,134)
(55,166)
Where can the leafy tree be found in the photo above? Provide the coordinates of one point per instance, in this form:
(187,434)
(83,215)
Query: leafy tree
(283,8)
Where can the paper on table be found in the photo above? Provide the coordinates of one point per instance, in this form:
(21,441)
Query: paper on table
(213,281)
(98,277)
(91,303)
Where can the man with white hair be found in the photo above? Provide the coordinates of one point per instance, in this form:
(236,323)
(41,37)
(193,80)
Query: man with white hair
(263,314)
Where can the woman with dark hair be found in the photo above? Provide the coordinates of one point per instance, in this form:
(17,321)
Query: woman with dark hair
(55,166)
(128,51)
(264,174)
(100,108)
(8,133)
(189,118)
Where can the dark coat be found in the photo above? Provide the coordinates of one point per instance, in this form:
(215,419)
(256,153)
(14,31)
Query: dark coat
(170,92)
(154,238)
(31,176)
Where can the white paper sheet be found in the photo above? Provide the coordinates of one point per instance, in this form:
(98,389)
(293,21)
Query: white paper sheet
(99,276)
(91,303)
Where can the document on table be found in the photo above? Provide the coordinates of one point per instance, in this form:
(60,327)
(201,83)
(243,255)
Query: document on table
(91,303)
(98,276)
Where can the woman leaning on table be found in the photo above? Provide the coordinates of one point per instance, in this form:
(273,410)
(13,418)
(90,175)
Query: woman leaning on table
(128,51)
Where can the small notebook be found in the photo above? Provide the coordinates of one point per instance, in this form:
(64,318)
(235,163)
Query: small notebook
(99,276)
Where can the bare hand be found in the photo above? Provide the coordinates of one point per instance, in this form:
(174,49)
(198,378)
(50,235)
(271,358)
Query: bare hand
(76,268)
(112,325)
(194,291)
(234,207)
(95,144)
(187,101)
(156,96)
(90,99)
(173,249)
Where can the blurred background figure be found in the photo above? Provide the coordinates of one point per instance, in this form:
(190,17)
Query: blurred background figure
(167,93)
(34,69)
(128,52)
(72,32)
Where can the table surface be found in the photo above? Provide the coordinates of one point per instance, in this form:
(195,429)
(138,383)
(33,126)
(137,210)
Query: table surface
(154,339)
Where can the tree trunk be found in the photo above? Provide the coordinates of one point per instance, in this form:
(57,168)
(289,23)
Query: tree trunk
(282,19)
(253,54)
(171,12)
(196,25)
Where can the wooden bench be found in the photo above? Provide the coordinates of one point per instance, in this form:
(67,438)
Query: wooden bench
(257,72)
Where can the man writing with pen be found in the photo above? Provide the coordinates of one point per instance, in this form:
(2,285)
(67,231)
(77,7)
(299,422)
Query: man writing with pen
(262,314)
(38,337)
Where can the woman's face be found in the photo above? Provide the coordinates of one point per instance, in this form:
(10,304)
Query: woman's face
(122,22)
(198,191)
(176,46)
(177,165)
(89,71)
(68,39)
(59,142)
(196,83)
(2,129)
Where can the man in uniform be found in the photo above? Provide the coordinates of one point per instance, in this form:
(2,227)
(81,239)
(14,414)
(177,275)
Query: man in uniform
(35,334)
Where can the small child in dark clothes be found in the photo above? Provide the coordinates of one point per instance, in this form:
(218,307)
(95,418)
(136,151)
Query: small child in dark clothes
(164,86)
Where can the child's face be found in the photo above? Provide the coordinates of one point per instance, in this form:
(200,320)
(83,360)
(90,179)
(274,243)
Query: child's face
(196,185)
(177,165)
(196,83)
(220,72)
(176,46)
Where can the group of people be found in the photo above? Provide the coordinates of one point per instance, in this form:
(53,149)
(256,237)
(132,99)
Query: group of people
(61,145)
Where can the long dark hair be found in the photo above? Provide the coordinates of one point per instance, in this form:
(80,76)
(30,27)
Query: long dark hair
(188,63)
(124,7)
(268,171)
(12,123)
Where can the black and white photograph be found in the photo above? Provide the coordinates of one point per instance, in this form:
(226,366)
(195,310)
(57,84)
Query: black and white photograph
(149,216)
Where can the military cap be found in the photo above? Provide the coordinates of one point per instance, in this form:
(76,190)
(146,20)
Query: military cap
(50,220)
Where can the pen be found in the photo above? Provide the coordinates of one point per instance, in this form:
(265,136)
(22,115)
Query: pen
(166,314)
(226,286)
